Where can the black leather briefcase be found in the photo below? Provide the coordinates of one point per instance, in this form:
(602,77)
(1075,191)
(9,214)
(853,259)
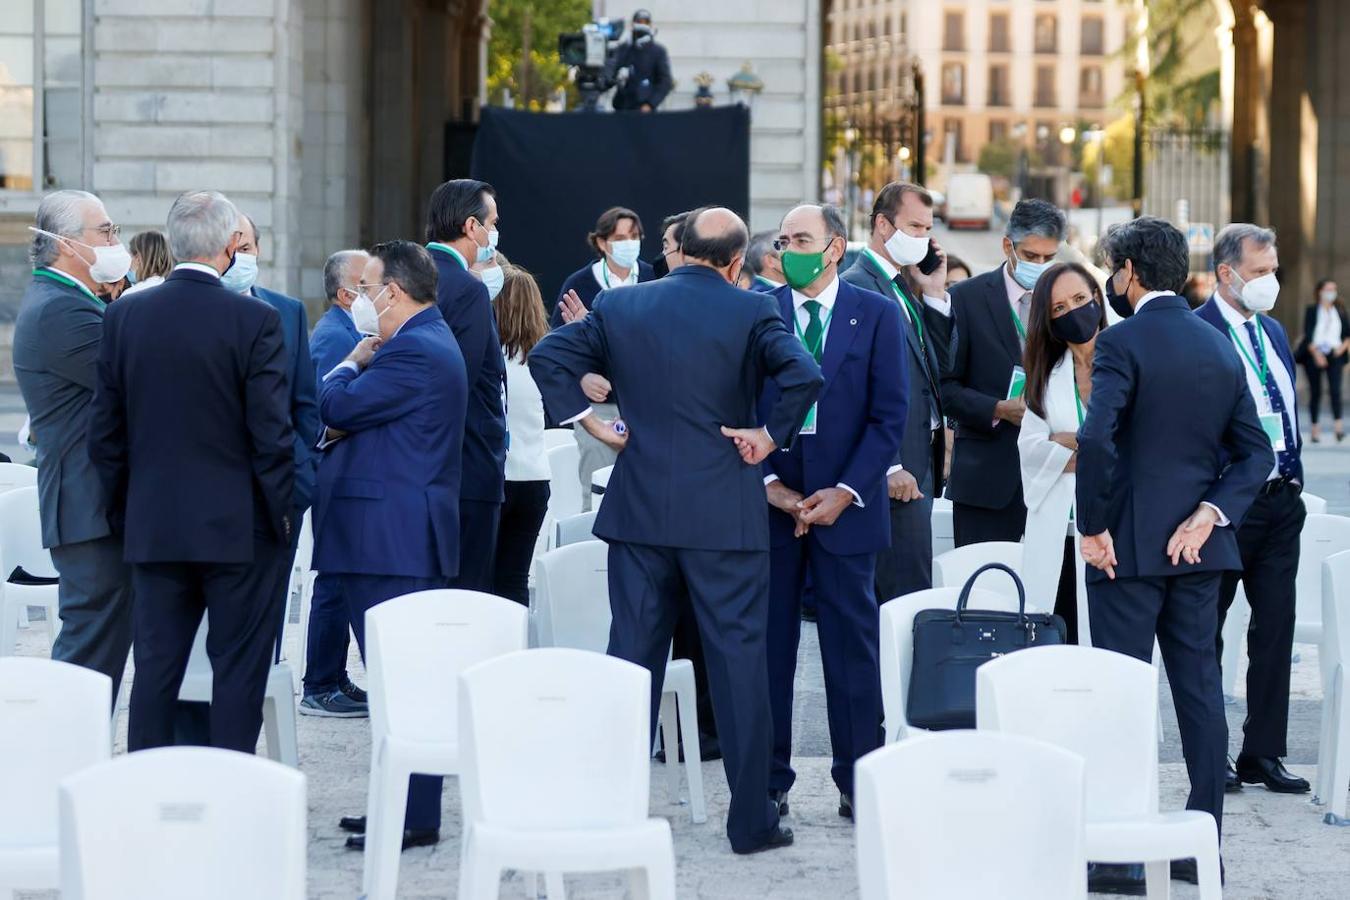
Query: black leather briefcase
(949,645)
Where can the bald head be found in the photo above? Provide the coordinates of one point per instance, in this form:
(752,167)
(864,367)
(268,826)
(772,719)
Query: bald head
(715,236)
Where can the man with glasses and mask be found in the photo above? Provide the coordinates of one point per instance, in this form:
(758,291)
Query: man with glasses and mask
(75,251)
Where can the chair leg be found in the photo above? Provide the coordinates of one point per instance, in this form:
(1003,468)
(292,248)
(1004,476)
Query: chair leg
(556,886)
(384,829)
(1326,743)
(1338,782)
(279,722)
(53,613)
(1234,639)
(9,625)
(658,875)
(1211,881)
(687,704)
(670,739)
(480,875)
(1158,878)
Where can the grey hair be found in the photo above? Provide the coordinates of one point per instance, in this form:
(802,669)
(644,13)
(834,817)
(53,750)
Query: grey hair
(760,245)
(1232,239)
(1036,217)
(201,224)
(335,269)
(60,212)
(834,223)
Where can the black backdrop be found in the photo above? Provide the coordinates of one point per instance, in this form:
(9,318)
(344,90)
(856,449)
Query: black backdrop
(554,174)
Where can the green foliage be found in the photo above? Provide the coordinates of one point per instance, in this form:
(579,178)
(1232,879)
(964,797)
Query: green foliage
(1175,96)
(532,79)
(999,158)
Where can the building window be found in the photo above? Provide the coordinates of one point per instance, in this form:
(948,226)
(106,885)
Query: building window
(1045,86)
(998,130)
(1090,87)
(952,136)
(1092,36)
(1047,34)
(998,32)
(954,31)
(999,94)
(41,95)
(857,82)
(953,84)
(872,79)
(886,78)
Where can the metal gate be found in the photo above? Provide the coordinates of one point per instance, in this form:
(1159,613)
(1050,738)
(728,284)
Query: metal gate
(1187,165)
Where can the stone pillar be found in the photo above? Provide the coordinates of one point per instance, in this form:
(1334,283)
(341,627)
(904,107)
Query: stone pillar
(1251,88)
(1329,45)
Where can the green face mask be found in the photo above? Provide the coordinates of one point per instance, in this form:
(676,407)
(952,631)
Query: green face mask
(800,269)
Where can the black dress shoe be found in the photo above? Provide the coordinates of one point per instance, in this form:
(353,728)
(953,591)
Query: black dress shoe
(1185,870)
(1231,782)
(781,837)
(354,824)
(412,837)
(1268,770)
(1117,878)
(846,806)
(780,798)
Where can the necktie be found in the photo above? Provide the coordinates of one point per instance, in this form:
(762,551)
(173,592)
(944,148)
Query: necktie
(1023,314)
(814,335)
(1284,459)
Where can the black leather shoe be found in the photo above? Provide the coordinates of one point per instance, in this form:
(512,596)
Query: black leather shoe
(412,837)
(782,837)
(846,806)
(1117,878)
(1231,782)
(1268,770)
(354,824)
(780,797)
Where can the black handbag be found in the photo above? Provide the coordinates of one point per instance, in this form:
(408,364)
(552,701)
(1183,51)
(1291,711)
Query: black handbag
(949,645)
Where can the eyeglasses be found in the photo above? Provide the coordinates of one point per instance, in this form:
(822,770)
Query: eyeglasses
(801,242)
(108,231)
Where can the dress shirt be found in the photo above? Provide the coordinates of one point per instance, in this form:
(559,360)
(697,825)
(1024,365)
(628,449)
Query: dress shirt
(1283,377)
(1015,294)
(1326,335)
(1151,294)
(600,275)
(198,267)
(892,273)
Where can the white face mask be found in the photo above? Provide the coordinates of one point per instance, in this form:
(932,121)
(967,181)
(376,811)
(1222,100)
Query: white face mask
(364,315)
(493,278)
(1257,295)
(906,249)
(241,274)
(625,253)
(486,253)
(111,263)
(1328,296)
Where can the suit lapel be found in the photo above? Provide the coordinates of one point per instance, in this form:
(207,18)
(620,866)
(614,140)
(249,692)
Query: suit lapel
(887,288)
(844,326)
(1000,313)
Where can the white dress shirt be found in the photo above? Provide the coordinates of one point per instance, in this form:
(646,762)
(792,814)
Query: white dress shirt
(198,267)
(1283,377)
(1326,335)
(608,280)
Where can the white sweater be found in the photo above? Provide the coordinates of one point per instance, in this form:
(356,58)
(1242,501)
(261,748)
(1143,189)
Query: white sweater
(525,457)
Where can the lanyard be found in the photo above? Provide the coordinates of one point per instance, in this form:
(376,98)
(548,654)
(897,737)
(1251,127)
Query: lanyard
(1260,349)
(824,326)
(446,248)
(59,278)
(1078,401)
(604,273)
(1017,323)
(900,295)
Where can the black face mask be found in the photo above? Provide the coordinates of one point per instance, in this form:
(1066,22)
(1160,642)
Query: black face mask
(1077,326)
(661,267)
(1119,302)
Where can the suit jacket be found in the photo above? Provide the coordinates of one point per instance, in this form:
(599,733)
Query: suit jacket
(679,482)
(56,342)
(388,497)
(190,429)
(304,405)
(333,338)
(860,420)
(1277,340)
(985,468)
(583,282)
(1170,423)
(923,449)
(463,301)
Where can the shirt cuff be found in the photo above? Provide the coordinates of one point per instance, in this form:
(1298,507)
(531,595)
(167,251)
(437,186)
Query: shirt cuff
(857,500)
(942,304)
(1223,520)
(577,418)
(345,364)
(893,469)
(770,479)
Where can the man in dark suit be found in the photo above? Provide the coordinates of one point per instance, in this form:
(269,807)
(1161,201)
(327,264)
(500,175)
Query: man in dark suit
(462,230)
(386,515)
(683,512)
(1245,262)
(991,317)
(902,222)
(1170,458)
(827,494)
(328,689)
(190,433)
(56,344)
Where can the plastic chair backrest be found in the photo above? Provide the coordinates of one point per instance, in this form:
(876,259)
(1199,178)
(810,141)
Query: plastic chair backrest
(1313,503)
(954,568)
(897,642)
(969,814)
(575,529)
(416,646)
(21,535)
(183,822)
(1323,535)
(555,739)
(1101,705)
(558,437)
(572,596)
(304,548)
(944,537)
(1335,648)
(564,483)
(53,722)
(15,475)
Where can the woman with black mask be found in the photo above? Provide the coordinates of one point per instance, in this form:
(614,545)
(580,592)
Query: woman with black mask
(1067,312)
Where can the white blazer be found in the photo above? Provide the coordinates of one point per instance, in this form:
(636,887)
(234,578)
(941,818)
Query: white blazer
(1049,493)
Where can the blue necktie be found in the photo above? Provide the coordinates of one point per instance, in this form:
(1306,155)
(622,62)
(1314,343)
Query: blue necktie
(1284,458)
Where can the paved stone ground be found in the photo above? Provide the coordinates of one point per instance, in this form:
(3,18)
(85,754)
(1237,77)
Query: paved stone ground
(1275,846)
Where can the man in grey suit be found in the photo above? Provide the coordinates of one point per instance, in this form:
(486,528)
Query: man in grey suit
(75,250)
(902,220)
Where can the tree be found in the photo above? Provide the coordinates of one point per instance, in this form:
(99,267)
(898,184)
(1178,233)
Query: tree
(999,158)
(523,49)
(1177,95)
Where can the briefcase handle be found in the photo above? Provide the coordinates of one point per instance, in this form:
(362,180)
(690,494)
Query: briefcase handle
(970,585)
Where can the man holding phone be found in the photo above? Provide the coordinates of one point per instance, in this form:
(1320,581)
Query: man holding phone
(904,263)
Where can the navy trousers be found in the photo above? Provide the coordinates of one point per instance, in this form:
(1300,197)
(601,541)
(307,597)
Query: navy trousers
(360,593)
(849,629)
(478,523)
(1183,612)
(329,640)
(729,593)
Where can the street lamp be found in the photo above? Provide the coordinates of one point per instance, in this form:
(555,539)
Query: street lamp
(744,86)
(1067,135)
(903,155)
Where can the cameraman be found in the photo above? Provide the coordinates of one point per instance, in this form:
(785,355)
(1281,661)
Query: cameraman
(648,66)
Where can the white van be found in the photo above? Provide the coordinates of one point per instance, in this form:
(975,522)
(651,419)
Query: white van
(970,201)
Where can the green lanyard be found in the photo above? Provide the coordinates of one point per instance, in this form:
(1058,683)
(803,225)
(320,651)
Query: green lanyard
(1078,401)
(900,295)
(1017,323)
(604,273)
(59,278)
(446,248)
(801,335)
(1261,350)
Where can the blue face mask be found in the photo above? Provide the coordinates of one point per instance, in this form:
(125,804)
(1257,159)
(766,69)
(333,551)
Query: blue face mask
(486,253)
(1028,273)
(493,278)
(241,274)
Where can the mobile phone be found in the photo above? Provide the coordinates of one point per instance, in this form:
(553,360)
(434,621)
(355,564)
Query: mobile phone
(929,264)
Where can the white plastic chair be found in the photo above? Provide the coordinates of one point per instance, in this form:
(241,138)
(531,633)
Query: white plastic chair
(278,701)
(416,646)
(306,590)
(21,545)
(582,805)
(944,537)
(1333,749)
(574,529)
(53,723)
(1314,504)
(968,815)
(564,486)
(183,822)
(558,437)
(571,600)
(897,645)
(15,475)
(1102,706)
(954,568)
(1235,625)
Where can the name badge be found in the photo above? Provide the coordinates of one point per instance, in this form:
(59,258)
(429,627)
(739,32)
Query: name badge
(809,423)
(1273,425)
(1017,384)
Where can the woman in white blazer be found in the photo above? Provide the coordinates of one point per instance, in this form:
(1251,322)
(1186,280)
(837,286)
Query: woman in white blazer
(1067,312)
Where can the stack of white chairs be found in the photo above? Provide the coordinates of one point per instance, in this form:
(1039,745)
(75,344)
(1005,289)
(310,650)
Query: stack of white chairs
(968,815)
(599,483)
(183,822)
(564,486)
(53,723)
(301,588)
(14,475)
(571,609)
(1102,706)
(954,568)
(1333,750)
(574,529)
(944,537)
(21,546)
(579,806)
(415,646)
